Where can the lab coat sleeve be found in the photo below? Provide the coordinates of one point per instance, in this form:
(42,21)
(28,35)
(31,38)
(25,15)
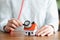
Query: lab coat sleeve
(5,13)
(52,15)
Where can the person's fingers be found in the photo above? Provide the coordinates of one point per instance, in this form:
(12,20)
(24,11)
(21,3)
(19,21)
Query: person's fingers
(13,22)
(8,29)
(41,30)
(49,34)
(11,29)
(45,33)
(12,25)
(48,30)
(20,23)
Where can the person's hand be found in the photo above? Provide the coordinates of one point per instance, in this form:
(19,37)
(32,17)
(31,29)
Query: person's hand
(12,25)
(46,30)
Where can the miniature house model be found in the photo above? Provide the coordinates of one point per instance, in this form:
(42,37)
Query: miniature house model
(30,30)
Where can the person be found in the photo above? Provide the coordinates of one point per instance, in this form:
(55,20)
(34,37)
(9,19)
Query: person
(43,12)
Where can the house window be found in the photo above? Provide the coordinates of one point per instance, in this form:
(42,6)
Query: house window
(26,32)
(31,32)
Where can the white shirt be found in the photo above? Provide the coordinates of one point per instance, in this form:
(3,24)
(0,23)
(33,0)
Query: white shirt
(43,12)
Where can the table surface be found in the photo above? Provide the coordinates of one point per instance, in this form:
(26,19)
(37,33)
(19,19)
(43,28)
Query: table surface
(20,36)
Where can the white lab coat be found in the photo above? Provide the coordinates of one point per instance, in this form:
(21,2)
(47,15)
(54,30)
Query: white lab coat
(43,12)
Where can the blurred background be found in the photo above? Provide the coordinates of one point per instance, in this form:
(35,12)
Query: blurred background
(58,4)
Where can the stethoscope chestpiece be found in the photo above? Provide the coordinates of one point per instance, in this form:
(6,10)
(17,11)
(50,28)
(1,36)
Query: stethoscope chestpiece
(27,24)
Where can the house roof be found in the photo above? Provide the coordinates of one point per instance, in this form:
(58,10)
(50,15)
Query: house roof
(33,27)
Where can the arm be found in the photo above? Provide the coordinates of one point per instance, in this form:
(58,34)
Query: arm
(5,13)
(51,22)
(52,15)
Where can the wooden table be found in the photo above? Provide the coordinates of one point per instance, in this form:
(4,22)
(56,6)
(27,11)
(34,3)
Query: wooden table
(20,36)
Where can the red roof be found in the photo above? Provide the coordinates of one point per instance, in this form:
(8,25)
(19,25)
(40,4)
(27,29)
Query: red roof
(33,27)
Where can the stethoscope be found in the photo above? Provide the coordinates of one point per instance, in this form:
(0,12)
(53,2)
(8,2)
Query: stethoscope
(27,23)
